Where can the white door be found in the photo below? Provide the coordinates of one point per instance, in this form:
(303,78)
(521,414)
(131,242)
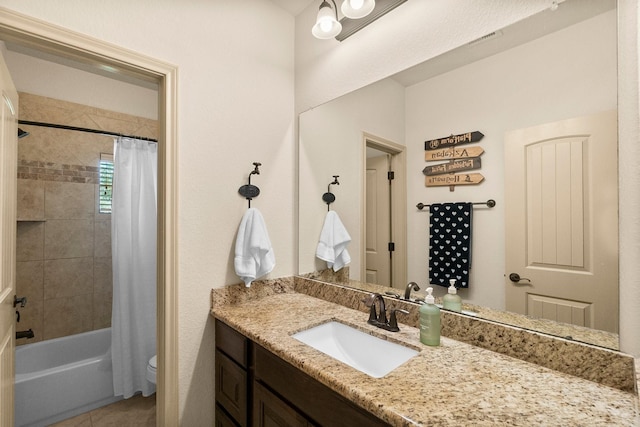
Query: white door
(561,202)
(8,180)
(378,222)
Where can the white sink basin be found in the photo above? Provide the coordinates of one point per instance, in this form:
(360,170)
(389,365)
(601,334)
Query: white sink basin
(373,356)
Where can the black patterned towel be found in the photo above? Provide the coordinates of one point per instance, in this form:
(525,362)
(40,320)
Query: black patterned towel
(450,243)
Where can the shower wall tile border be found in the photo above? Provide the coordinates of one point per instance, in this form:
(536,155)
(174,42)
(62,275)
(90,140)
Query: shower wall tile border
(48,171)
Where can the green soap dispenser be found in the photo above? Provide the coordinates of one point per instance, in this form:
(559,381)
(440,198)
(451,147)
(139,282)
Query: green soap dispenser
(452,301)
(429,321)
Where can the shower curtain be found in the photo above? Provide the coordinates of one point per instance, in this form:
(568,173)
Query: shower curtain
(133,244)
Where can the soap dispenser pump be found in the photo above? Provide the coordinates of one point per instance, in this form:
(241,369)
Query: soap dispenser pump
(452,301)
(429,321)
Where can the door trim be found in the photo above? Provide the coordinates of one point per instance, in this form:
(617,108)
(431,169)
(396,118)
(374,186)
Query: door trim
(60,41)
(398,205)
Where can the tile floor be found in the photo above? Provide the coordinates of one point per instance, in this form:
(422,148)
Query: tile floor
(135,412)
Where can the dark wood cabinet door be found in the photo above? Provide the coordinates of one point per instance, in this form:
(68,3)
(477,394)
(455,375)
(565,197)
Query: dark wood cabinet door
(232,343)
(270,411)
(231,388)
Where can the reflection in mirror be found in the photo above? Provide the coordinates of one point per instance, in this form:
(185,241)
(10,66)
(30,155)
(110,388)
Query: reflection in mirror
(555,66)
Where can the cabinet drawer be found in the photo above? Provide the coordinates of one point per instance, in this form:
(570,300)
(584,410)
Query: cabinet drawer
(269,410)
(317,401)
(231,388)
(232,343)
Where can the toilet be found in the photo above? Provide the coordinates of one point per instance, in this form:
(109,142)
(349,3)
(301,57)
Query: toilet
(151,369)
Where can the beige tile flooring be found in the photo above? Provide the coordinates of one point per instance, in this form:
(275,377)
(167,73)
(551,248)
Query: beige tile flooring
(135,412)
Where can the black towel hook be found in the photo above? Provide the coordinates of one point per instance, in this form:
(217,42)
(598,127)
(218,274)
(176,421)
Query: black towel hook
(250,191)
(328,197)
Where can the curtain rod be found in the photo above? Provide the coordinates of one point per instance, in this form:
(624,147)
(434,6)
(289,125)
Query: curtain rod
(102,132)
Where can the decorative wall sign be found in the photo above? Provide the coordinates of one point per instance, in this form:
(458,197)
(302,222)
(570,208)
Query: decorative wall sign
(453,153)
(453,166)
(459,159)
(449,141)
(454,179)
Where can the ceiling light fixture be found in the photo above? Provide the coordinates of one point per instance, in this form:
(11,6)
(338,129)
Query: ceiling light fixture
(357,15)
(327,25)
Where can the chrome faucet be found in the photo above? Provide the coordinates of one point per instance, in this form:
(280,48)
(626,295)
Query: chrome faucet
(412,286)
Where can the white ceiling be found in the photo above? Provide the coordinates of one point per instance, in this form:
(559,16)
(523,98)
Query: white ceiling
(294,7)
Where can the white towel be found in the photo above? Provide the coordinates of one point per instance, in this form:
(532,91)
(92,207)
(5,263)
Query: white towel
(334,239)
(254,254)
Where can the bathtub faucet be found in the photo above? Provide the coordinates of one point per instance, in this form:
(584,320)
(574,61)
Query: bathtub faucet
(22,301)
(24,334)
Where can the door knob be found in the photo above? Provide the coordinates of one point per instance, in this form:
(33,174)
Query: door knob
(515,278)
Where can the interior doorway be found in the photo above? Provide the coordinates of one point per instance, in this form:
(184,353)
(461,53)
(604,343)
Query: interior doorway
(384,214)
(96,54)
(378,242)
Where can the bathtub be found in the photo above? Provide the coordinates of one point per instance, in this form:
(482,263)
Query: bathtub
(63,377)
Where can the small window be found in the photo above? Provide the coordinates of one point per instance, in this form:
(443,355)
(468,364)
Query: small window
(106,182)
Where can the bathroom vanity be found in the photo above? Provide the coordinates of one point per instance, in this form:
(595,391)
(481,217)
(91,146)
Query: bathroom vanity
(254,387)
(264,375)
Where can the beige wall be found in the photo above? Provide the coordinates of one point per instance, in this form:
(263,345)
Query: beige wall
(44,77)
(628,177)
(235,106)
(63,242)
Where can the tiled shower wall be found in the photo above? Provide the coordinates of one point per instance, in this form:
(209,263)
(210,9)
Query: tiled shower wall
(63,242)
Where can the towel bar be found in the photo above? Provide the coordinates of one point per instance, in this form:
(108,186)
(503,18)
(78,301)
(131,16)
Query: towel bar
(490,203)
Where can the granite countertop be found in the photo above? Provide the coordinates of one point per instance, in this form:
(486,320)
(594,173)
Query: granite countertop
(454,384)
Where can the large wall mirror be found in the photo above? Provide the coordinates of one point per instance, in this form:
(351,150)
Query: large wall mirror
(554,67)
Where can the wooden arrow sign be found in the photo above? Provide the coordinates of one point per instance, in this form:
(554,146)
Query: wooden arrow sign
(453,153)
(454,179)
(463,138)
(453,166)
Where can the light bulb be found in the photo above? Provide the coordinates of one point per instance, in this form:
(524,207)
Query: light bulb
(325,25)
(355,9)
